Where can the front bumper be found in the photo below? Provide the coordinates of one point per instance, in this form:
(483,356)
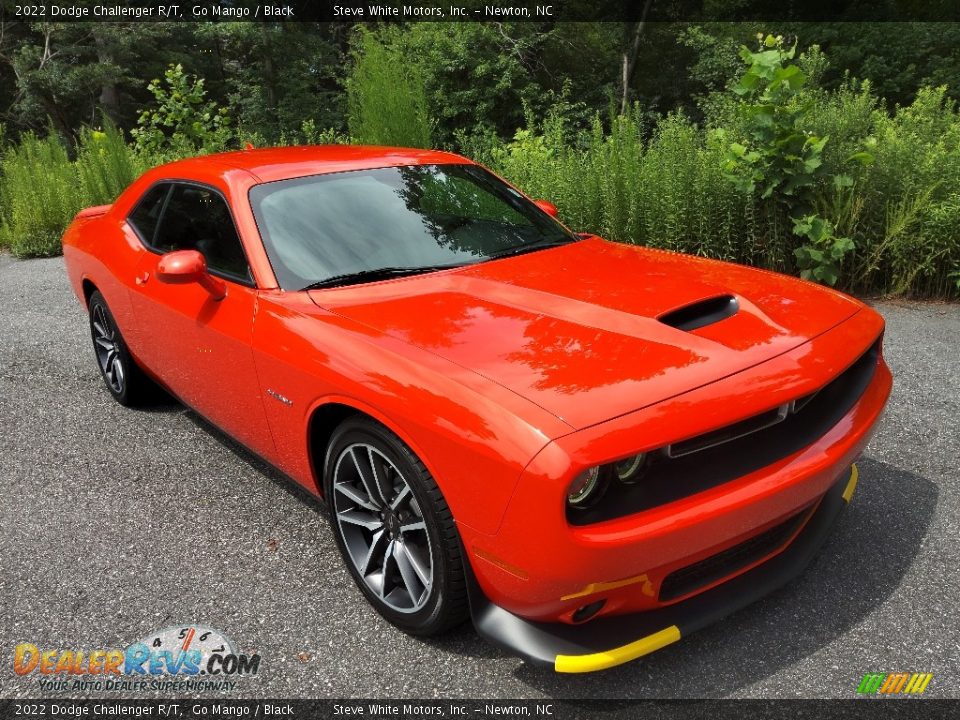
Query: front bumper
(599,644)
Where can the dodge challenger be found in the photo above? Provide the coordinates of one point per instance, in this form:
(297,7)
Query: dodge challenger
(590,448)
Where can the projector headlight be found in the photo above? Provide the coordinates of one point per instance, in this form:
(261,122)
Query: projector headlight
(630,470)
(585,488)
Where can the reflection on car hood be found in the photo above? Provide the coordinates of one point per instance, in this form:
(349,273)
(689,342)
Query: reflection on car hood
(575,329)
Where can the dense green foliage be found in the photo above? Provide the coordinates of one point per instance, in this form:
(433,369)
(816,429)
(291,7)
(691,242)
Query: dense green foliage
(181,120)
(764,155)
(386,98)
(43,188)
(881,186)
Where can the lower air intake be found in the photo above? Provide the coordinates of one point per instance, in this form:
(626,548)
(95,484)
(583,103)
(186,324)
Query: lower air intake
(691,578)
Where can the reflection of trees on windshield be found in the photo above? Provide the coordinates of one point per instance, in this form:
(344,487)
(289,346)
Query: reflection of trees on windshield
(421,216)
(460,213)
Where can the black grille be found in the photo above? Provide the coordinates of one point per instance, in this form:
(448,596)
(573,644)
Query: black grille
(716,567)
(728,433)
(671,478)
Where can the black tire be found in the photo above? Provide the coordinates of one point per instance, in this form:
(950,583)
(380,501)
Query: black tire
(124,379)
(443,604)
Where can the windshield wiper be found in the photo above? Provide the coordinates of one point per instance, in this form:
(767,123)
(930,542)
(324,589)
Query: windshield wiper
(531,247)
(362,276)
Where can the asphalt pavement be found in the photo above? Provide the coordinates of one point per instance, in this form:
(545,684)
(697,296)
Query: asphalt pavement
(115,523)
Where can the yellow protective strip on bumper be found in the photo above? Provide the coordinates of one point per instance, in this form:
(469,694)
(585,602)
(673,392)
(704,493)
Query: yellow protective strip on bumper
(851,483)
(616,656)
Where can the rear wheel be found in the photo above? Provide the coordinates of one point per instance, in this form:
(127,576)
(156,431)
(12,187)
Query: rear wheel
(394,529)
(123,378)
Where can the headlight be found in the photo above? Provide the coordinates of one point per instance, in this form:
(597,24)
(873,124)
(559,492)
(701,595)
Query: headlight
(629,470)
(585,488)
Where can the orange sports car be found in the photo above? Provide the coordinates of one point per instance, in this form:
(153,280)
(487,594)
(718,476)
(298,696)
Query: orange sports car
(592,448)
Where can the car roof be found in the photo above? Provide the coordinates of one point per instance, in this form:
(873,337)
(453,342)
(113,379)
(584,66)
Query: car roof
(270,164)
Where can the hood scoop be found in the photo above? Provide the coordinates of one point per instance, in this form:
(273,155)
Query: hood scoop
(701,313)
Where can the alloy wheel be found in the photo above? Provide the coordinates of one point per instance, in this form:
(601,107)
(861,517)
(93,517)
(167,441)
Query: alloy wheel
(106,344)
(383,528)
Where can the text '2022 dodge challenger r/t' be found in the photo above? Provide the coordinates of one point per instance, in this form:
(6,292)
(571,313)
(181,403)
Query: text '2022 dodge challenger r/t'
(591,448)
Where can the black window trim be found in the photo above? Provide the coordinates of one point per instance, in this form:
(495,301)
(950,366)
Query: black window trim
(148,244)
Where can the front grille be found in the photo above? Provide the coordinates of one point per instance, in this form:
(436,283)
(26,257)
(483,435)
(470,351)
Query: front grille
(693,577)
(728,453)
(730,432)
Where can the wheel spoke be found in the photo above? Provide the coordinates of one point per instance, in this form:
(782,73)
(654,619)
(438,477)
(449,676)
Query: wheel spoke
(401,497)
(421,568)
(385,571)
(375,544)
(371,497)
(368,521)
(355,495)
(379,478)
(413,526)
(102,324)
(407,573)
(117,372)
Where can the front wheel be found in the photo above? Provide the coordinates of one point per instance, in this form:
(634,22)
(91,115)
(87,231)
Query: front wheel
(123,378)
(394,529)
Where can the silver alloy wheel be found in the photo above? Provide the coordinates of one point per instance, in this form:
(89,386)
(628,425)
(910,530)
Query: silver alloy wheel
(106,344)
(382,527)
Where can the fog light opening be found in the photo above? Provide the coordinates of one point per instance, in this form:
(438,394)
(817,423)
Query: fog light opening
(584,613)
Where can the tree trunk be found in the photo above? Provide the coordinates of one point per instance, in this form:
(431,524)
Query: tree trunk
(109,100)
(629,60)
(269,76)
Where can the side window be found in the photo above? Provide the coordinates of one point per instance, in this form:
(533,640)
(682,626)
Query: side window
(197,218)
(146,214)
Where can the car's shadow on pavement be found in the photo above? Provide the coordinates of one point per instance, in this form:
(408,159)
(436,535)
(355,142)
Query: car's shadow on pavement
(861,565)
(170,405)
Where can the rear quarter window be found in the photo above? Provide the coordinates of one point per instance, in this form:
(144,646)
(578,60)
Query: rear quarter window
(146,213)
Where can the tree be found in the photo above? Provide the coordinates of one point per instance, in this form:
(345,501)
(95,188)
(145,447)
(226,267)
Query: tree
(276,76)
(181,120)
(386,98)
(67,73)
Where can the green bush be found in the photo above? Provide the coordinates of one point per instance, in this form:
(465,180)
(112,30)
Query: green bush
(105,165)
(40,195)
(668,192)
(182,121)
(41,189)
(888,224)
(386,98)
(879,212)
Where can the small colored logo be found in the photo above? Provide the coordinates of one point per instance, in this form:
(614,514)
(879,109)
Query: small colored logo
(894,683)
(177,653)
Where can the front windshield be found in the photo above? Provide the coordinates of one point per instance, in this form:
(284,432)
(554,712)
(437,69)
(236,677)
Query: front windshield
(419,217)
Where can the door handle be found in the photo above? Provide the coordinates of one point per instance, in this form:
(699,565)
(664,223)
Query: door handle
(142,278)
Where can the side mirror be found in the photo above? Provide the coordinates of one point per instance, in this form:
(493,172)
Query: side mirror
(548,207)
(181,267)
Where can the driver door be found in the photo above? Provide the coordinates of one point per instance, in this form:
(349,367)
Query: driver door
(199,346)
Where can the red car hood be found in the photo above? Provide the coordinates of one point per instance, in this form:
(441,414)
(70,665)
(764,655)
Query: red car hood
(575,329)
